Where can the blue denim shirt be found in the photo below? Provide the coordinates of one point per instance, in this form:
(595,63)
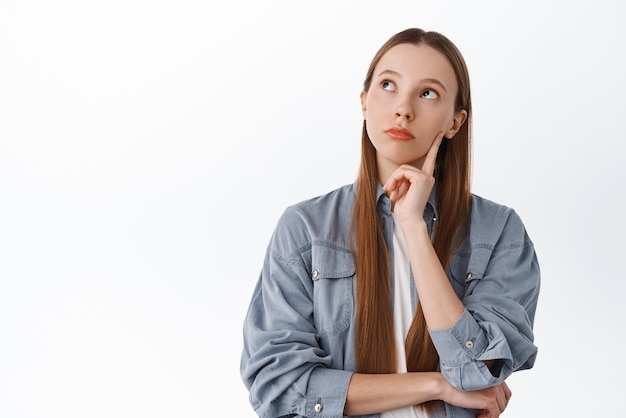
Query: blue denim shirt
(298,355)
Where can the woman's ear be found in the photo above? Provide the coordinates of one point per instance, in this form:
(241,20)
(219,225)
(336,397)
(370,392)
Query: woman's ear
(459,119)
(363,97)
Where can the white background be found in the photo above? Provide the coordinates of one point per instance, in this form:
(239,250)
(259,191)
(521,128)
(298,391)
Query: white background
(147,149)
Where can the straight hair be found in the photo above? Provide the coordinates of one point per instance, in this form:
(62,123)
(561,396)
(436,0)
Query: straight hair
(374,337)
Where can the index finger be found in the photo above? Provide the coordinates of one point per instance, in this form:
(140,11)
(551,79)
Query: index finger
(431,157)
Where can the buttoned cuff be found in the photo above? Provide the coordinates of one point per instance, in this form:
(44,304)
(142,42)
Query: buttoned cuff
(464,347)
(326,393)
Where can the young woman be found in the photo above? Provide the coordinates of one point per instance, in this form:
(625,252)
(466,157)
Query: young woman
(402,295)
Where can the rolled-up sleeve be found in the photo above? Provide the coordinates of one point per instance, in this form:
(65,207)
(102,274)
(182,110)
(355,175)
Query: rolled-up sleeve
(282,364)
(500,299)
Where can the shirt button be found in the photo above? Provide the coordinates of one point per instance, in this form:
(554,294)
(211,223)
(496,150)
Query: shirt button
(318,407)
(469,344)
(315,273)
(469,276)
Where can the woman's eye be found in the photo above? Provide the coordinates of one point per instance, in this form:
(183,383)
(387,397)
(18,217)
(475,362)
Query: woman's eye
(388,85)
(430,94)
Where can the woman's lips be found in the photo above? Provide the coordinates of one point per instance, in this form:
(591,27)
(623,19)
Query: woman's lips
(402,134)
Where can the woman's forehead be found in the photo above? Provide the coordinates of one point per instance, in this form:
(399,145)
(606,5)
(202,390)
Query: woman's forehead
(410,60)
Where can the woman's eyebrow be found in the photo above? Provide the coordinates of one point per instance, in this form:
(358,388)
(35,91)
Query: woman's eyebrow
(425,80)
(390,72)
(435,81)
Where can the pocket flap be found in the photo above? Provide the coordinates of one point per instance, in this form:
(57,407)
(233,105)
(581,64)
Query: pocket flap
(331,263)
(466,268)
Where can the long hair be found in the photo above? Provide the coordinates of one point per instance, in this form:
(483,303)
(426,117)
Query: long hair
(374,336)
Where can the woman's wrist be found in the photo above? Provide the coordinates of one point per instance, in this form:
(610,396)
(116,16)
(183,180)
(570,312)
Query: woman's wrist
(413,226)
(440,386)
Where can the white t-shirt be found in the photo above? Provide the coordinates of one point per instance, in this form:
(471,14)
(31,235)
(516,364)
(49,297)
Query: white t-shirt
(402,314)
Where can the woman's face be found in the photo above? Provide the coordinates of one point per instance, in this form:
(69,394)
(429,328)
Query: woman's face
(410,100)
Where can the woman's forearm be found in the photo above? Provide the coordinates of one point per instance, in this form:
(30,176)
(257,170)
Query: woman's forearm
(442,307)
(375,393)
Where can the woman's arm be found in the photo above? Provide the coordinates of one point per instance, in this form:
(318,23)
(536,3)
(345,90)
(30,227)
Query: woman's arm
(442,307)
(485,336)
(375,393)
(283,365)
(409,188)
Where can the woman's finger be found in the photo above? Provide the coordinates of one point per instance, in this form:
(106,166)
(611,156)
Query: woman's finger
(431,157)
(501,398)
(401,175)
(507,392)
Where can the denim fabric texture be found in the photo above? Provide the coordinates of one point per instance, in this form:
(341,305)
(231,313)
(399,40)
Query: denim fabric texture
(298,351)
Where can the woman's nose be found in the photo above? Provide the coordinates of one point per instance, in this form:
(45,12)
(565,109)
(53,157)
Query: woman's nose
(404,110)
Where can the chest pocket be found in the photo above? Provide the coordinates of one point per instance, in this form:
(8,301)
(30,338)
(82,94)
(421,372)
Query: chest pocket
(467,269)
(332,272)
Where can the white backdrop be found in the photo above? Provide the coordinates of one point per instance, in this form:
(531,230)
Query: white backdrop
(147,149)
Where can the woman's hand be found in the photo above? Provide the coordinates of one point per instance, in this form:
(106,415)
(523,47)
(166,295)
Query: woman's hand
(409,187)
(491,401)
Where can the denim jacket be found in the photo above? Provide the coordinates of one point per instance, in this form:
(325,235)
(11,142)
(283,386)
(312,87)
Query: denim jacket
(298,354)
